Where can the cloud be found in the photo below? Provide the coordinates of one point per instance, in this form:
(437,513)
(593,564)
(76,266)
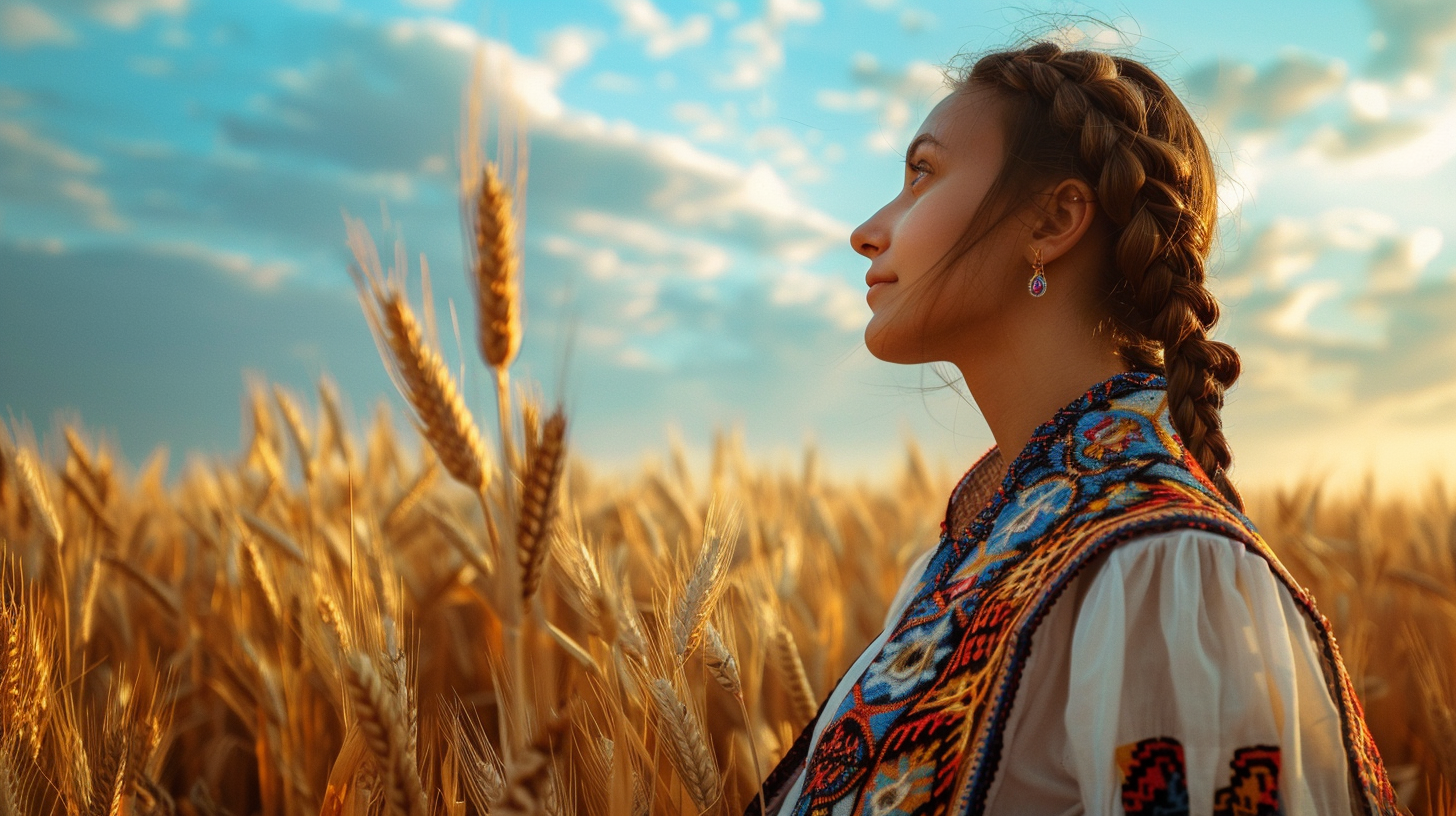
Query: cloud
(25,25)
(262,276)
(642,19)
(1397,260)
(1236,95)
(892,95)
(571,47)
(122,13)
(1287,248)
(432,5)
(831,297)
(36,171)
(386,103)
(760,51)
(1410,37)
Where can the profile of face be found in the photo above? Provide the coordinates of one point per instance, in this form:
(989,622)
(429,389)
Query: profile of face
(952,161)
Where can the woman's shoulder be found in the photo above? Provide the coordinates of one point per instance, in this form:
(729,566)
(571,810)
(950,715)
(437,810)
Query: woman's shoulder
(1205,568)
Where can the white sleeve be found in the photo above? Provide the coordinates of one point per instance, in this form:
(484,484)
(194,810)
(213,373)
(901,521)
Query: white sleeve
(1186,637)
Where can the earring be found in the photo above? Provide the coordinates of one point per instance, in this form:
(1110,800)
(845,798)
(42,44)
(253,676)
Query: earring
(1038,284)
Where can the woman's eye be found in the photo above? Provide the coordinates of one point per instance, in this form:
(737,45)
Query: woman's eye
(921,170)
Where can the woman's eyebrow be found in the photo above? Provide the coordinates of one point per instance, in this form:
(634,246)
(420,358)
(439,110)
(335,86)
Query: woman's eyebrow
(922,139)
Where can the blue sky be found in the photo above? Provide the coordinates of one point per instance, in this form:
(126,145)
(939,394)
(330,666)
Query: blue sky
(172,174)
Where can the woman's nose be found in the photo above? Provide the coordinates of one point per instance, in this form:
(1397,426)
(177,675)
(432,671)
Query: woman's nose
(869,239)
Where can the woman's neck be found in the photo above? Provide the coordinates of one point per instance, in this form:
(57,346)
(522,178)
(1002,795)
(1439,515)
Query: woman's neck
(1035,369)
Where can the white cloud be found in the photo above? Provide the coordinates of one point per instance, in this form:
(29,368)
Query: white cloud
(709,125)
(760,51)
(1398,259)
(1410,36)
(1380,148)
(1291,319)
(1287,249)
(843,305)
(914,21)
(24,25)
(674,254)
(893,95)
(1236,95)
(432,5)
(36,170)
(123,13)
(23,141)
(95,202)
(571,47)
(643,19)
(258,275)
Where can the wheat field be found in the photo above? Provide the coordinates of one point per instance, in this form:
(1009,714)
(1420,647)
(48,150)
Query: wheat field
(474,621)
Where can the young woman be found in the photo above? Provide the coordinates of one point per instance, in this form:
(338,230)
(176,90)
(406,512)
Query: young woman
(1101,629)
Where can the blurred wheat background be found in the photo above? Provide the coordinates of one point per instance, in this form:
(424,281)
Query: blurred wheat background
(332,624)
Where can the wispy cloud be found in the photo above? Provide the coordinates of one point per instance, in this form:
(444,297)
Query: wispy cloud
(25,25)
(661,37)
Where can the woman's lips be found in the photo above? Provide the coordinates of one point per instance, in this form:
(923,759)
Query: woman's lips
(877,286)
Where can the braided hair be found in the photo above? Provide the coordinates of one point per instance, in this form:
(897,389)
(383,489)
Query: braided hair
(1113,123)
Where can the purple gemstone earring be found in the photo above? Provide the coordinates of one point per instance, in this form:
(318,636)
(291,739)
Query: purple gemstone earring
(1038,284)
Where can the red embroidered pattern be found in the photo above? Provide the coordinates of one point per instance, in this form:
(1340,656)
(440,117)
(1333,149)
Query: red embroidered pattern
(1153,777)
(1253,788)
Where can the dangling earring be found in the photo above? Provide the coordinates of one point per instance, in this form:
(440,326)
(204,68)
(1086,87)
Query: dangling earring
(1038,284)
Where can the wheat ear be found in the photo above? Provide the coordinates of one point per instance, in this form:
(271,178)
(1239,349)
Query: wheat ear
(385,736)
(721,663)
(496,288)
(790,666)
(449,426)
(689,749)
(706,582)
(538,501)
(33,488)
(297,432)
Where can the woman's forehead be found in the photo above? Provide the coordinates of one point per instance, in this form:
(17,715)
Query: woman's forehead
(963,116)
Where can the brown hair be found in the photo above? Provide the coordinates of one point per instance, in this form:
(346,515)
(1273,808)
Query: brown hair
(1113,123)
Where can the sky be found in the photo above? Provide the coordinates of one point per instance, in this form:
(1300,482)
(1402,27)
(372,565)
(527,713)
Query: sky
(173,175)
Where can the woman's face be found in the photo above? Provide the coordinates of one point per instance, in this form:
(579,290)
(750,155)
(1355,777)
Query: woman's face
(950,166)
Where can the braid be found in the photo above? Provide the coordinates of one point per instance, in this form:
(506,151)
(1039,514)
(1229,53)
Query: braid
(1131,139)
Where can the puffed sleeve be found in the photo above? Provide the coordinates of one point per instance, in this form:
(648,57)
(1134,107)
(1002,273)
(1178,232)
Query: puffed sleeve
(1178,676)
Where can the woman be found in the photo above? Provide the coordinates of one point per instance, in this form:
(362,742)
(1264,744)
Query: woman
(1100,629)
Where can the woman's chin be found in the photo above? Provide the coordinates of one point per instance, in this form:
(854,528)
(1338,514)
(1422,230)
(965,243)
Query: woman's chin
(888,347)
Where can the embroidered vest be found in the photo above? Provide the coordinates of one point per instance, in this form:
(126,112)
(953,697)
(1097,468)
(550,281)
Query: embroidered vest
(921,732)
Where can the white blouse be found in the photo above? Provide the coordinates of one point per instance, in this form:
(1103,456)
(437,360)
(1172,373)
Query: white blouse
(1184,635)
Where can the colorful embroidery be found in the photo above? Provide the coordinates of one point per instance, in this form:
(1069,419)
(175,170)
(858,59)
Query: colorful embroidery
(1253,788)
(1154,781)
(933,704)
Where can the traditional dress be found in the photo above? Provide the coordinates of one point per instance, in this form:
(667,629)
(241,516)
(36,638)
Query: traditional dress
(1108,635)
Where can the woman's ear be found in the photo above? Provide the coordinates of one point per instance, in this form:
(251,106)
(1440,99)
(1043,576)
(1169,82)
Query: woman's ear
(1063,219)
